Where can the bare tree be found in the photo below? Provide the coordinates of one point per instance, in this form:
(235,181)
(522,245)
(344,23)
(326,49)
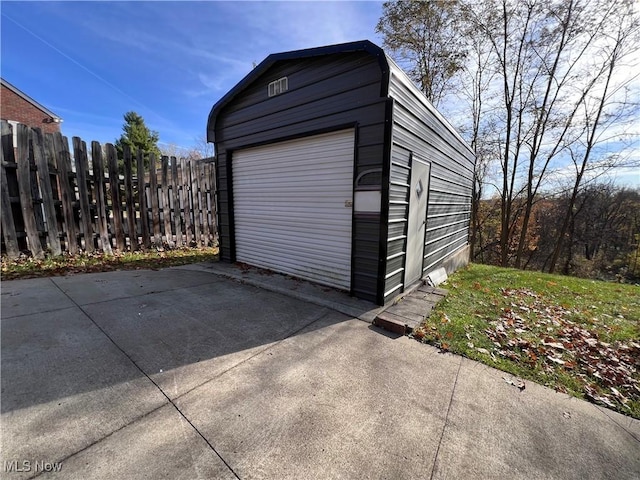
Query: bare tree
(605,105)
(199,150)
(549,61)
(424,38)
(542,82)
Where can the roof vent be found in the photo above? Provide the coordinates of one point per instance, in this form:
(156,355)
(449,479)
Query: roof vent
(278,86)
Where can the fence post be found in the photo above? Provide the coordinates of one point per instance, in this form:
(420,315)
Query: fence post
(45,191)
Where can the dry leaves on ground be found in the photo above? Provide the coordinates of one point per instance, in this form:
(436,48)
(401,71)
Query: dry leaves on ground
(534,332)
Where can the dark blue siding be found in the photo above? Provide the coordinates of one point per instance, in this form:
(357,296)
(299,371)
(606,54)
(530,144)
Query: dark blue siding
(325,93)
(419,130)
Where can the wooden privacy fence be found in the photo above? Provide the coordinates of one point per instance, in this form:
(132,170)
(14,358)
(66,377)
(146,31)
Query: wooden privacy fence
(51,206)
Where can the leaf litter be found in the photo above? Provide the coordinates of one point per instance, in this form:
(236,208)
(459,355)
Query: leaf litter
(546,338)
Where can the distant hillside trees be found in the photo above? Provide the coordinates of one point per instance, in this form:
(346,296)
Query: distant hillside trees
(602,239)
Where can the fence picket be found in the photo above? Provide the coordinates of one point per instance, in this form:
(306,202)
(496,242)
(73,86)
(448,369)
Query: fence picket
(35,195)
(116,199)
(166,203)
(80,157)
(101,203)
(63,164)
(204,189)
(54,175)
(142,200)
(177,210)
(195,203)
(129,199)
(47,207)
(8,225)
(26,196)
(185,186)
(153,198)
(45,191)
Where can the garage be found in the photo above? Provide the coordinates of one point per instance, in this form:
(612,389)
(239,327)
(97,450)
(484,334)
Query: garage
(333,167)
(293,207)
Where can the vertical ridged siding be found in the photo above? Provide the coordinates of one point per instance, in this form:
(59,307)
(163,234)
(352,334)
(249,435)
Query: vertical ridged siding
(325,93)
(419,130)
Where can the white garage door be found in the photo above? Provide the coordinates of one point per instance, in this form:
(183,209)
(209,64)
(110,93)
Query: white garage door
(292,204)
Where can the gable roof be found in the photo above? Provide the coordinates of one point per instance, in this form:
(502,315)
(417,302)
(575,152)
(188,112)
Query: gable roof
(26,97)
(359,46)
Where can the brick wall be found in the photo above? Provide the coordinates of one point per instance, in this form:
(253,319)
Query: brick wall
(15,108)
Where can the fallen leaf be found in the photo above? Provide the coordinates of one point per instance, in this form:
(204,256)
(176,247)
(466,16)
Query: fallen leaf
(556,360)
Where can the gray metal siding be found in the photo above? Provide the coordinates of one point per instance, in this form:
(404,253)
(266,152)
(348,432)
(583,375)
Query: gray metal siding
(419,130)
(325,93)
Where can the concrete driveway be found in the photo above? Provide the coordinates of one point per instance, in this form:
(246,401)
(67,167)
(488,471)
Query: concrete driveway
(196,373)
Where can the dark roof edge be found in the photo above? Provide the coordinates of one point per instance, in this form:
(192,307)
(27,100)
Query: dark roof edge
(359,46)
(26,97)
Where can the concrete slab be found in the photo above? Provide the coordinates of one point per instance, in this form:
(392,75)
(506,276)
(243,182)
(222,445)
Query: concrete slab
(412,309)
(279,387)
(161,445)
(341,401)
(101,287)
(302,290)
(35,295)
(629,424)
(187,336)
(496,431)
(65,386)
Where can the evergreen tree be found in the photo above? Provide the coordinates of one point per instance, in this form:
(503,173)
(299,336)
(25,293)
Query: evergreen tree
(136,134)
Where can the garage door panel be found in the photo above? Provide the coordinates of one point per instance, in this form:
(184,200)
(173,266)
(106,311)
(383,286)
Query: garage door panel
(295,252)
(275,172)
(297,238)
(292,207)
(290,262)
(294,218)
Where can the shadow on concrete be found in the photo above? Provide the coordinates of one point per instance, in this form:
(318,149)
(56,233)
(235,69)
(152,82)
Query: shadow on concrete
(179,327)
(386,333)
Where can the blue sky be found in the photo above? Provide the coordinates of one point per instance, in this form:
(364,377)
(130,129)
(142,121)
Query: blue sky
(90,62)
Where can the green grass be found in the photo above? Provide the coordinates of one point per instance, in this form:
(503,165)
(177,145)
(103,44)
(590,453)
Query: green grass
(28,267)
(578,336)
